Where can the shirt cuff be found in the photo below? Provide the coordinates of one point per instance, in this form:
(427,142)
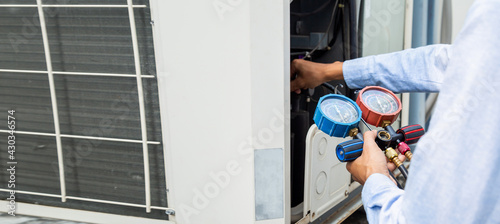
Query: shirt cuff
(375,184)
(358,72)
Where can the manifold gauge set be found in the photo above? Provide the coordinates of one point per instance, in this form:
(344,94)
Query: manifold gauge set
(339,116)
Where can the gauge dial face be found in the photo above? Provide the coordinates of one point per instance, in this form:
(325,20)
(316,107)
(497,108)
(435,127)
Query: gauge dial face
(339,110)
(380,101)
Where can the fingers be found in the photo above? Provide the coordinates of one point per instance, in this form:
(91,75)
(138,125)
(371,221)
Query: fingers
(370,135)
(402,157)
(369,138)
(305,74)
(296,85)
(349,169)
(294,67)
(372,160)
(348,166)
(391,165)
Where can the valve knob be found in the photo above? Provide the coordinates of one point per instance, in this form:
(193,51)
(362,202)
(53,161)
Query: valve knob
(349,150)
(404,149)
(411,133)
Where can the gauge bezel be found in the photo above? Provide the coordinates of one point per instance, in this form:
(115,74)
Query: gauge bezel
(331,127)
(373,117)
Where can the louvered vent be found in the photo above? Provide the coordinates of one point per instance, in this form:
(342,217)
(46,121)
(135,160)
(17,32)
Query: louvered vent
(89,121)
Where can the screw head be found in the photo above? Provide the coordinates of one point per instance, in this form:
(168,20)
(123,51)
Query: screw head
(170,212)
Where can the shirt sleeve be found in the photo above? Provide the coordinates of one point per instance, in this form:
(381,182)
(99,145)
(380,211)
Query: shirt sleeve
(382,200)
(414,70)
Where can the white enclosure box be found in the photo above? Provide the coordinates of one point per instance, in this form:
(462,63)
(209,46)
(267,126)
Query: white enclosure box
(234,55)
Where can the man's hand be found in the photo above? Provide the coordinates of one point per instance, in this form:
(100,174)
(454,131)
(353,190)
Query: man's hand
(310,74)
(371,161)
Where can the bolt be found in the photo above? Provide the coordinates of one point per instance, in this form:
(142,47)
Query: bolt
(170,212)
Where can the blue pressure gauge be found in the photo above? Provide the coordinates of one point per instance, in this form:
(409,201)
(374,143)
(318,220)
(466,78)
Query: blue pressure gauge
(336,115)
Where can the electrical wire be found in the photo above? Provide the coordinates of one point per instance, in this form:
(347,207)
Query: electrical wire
(308,55)
(319,9)
(329,86)
(298,53)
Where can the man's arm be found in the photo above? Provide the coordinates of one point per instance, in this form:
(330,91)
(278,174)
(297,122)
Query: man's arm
(382,200)
(412,70)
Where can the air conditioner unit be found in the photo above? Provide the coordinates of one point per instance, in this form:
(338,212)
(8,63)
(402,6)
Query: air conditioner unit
(152,111)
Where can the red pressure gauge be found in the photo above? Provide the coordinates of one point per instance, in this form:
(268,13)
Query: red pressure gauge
(379,106)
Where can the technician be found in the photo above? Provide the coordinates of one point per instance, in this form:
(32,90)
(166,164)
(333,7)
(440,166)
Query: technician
(455,171)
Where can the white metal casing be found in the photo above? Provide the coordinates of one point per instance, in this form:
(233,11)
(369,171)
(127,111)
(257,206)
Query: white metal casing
(223,78)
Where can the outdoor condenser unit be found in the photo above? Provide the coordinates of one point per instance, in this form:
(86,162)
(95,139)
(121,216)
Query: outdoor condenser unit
(81,77)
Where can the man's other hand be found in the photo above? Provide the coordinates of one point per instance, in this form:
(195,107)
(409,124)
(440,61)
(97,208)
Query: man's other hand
(307,74)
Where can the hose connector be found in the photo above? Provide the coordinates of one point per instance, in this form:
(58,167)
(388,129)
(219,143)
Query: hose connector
(404,149)
(392,155)
(409,155)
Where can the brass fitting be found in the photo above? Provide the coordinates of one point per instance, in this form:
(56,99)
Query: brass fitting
(384,135)
(385,123)
(383,139)
(408,155)
(353,132)
(392,155)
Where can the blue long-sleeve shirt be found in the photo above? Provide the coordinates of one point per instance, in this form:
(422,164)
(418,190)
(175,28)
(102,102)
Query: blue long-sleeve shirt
(455,171)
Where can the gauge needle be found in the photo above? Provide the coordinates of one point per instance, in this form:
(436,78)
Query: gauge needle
(338,111)
(380,104)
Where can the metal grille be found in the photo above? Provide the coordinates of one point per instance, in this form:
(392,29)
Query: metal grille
(81,76)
